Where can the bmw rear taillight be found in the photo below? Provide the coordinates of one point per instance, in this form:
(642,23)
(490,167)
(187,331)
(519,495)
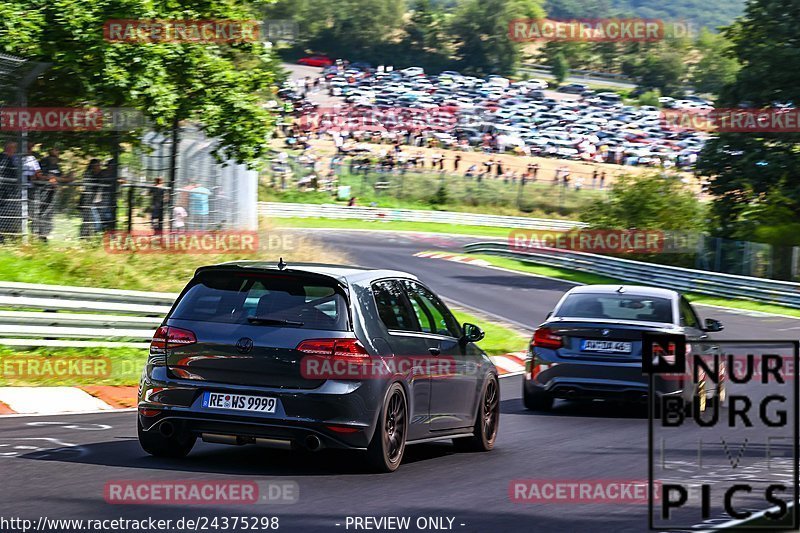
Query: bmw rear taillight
(347,349)
(545,338)
(167,337)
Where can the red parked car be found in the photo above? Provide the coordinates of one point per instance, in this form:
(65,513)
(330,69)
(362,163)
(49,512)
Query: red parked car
(315,61)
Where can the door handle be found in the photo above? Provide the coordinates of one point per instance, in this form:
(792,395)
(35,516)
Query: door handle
(434,351)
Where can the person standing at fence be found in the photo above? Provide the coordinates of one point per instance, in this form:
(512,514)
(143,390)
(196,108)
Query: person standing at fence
(90,199)
(533,171)
(198,206)
(157,196)
(31,173)
(111,183)
(44,194)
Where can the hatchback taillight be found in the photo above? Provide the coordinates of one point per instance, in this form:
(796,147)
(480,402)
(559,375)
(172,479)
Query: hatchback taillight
(334,348)
(167,337)
(545,338)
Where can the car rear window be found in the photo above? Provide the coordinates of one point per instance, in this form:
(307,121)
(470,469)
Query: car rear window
(237,297)
(616,307)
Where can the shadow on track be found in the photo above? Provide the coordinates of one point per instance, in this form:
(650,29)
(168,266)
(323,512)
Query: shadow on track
(579,409)
(247,460)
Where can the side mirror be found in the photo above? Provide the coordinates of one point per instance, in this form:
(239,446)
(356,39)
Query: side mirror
(549,314)
(713,325)
(472,333)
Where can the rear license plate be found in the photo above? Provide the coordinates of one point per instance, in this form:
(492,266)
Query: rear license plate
(605,346)
(239,402)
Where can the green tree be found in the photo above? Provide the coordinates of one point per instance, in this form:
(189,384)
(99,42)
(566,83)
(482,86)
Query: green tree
(559,68)
(358,29)
(717,67)
(648,202)
(480,29)
(217,86)
(662,69)
(426,28)
(650,98)
(754,167)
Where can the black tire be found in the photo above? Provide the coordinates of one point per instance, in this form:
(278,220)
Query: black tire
(385,452)
(537,401)
(487,420)
(176,445)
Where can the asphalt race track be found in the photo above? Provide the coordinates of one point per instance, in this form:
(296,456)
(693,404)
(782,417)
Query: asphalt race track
(59,465)
(517,299)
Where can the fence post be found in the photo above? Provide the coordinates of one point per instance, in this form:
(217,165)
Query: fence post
(130,209)
(173,164)
(795,254)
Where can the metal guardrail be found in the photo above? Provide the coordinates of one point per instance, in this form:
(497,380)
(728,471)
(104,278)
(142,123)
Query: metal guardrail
(579,73)
(59,316)
(682,279)
(62,316)
(334,211)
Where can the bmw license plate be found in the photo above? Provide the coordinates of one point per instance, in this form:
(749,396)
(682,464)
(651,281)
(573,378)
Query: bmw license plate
(605,346)
(239,402)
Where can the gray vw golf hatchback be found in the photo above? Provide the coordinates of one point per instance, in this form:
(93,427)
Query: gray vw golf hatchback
(313,356)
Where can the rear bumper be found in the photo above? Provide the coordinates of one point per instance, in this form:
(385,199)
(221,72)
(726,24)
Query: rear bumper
(340,414)
(591,379)
(596,390)
(246,430)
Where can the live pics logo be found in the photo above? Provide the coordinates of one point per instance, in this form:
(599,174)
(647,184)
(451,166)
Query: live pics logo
(723,433)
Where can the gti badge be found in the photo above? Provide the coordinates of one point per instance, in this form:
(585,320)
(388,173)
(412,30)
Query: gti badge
(244,345)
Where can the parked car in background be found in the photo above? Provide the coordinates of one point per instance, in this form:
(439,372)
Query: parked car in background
(573,88)
(315,61)
(412,71)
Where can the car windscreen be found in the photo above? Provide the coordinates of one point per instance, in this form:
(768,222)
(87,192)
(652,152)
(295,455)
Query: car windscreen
(616,307)
(266,299)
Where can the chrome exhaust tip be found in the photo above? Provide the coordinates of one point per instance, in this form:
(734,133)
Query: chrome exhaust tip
(216,438)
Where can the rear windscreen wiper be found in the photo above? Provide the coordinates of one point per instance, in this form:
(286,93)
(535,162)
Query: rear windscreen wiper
(273,321)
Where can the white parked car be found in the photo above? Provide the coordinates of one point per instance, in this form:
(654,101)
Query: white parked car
(412,71)
(498,81)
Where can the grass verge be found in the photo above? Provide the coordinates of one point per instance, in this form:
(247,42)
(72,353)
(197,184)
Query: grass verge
(90,264)
(70,367)
(425,227)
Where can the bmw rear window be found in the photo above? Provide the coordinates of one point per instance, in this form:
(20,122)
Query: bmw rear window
(268,299)
(616,307)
